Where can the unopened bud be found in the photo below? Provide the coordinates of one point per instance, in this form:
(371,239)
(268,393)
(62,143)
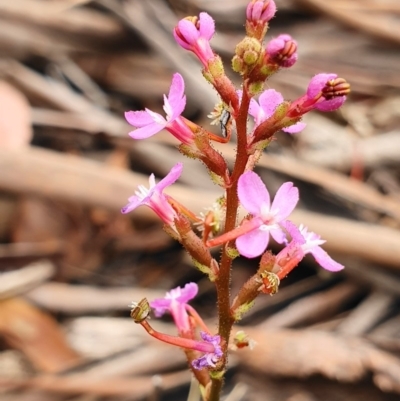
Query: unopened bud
(247,54)
(258,14)
(282,50)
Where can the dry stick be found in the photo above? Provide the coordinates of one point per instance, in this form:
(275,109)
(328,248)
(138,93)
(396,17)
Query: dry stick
(304,353)
(67,177)
(80,299)
(134,388)
(374,151)
(314,307)
(18,281)
(40,249)
(366,315)
(62,97)
(87,23)
(372,23)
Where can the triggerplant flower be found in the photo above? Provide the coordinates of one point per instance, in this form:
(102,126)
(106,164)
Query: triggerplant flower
(154,198)
(269,100)
(317,85)
(209,359)
(175,302)
(309,242)
(325,92)
(149,123)
(254,197)
(194,34)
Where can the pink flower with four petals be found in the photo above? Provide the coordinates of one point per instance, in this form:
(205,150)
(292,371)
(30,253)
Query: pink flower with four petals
(175,302)
(267,217)
(196,36)
(154,198)
(149,123)
(268,101)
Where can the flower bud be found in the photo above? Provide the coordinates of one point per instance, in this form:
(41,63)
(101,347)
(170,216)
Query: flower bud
(248,52)
(194,34)
(282,51)
(258,14)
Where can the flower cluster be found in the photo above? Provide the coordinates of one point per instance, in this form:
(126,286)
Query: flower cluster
(255,62)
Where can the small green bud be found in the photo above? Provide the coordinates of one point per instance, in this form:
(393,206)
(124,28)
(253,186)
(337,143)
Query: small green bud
(256,87)
(250,57)
(237,64)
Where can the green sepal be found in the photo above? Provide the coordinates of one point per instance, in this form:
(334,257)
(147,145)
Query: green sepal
(232,253)
(216,179)
(204,269)
(217,374)
(242,309)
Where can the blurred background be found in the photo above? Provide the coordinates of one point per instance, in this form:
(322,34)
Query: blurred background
(70,263)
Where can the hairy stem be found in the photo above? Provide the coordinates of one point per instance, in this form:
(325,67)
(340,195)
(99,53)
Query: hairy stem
(225,319)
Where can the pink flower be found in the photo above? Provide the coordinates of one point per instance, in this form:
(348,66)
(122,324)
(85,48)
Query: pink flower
(310,242)
(154,198)
(254,197)
(209,359)
(282,50)
(175,302)
(194,34)
(317,85)
(260,10)
(269,100)
(149,123)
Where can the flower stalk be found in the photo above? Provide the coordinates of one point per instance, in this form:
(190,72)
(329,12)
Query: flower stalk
(207,352)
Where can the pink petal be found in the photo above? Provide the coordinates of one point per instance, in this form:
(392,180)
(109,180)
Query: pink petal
(171,177)
(252,193)
(176,90)
(134,202)
(293,231)
(269,101)
(254,11)
(269,12)
(317,83)
(285,201)
(147,131)
(277,44)
(138,118)
(179,40)
(188,292)
(252,244)
(324,260)
(331,104)
(295,128)
(278,235)
(254,108)
(207,26)
(174,110)
(189,32)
